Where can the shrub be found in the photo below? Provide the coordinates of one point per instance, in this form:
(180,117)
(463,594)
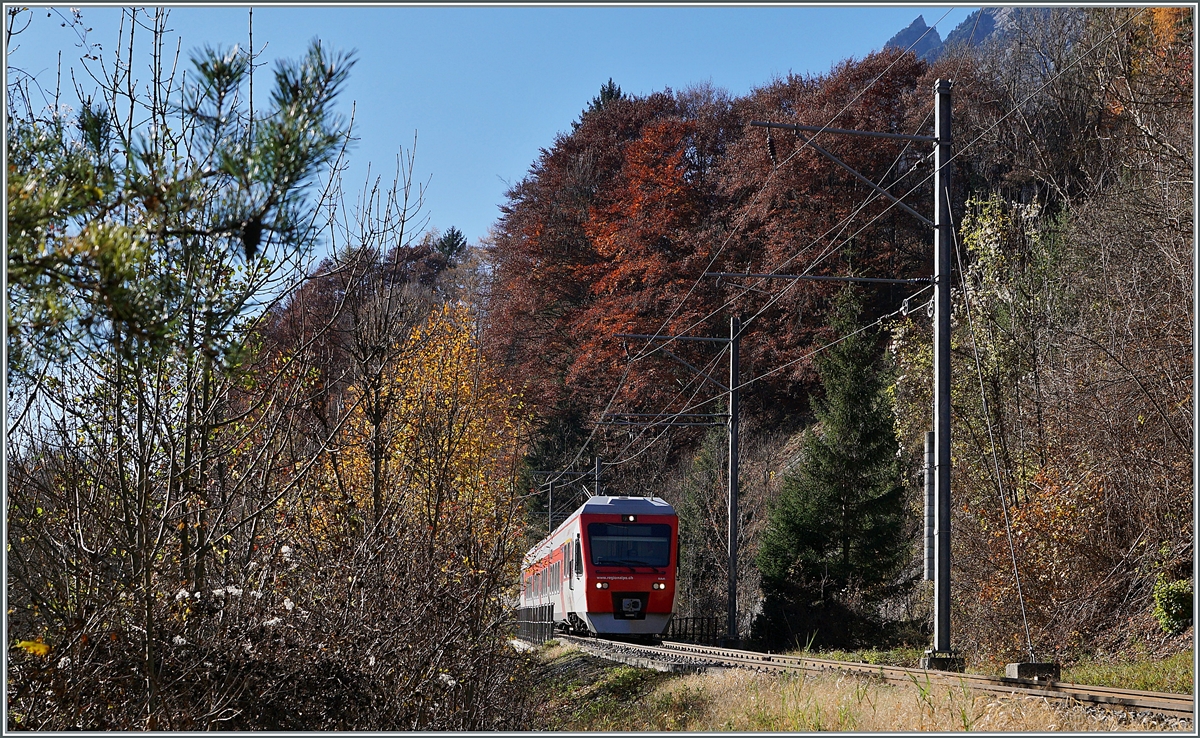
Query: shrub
(1173,604)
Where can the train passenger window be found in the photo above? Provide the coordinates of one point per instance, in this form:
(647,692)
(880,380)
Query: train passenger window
(629,544)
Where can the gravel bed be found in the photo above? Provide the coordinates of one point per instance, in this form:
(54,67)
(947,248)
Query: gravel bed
(632,654)
(1142,719)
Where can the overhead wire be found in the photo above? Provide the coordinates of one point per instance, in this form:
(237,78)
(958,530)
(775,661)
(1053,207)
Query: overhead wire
(741,219)
(585,444)
(666,423)
(761,189)
(844,223)
(895,162)
(871,198)
(816,351)
(833,247)
(823,347)
(975,141)
(955,154)
(962,55)
(668,418)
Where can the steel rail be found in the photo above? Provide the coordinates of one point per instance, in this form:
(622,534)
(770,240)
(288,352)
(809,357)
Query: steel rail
(1173,704)
(1177,705)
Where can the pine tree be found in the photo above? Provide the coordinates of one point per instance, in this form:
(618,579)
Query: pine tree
(835,537)
(608,93)
(451,244)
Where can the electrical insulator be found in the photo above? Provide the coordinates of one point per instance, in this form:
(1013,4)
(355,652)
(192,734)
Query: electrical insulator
(771,150)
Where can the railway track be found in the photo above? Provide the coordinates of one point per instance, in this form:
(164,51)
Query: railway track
(681,656)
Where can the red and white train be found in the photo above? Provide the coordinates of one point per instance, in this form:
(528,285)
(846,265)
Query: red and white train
(608,569)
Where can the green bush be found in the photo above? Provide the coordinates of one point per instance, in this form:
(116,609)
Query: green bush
(1173,604)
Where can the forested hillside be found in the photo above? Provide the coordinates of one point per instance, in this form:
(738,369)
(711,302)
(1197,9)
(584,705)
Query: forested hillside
(1072,324)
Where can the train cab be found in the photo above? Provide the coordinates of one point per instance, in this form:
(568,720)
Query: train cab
(609,569)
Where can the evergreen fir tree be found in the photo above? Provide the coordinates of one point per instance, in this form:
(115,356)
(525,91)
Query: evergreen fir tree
(838,525)
(451,244)
(608,93)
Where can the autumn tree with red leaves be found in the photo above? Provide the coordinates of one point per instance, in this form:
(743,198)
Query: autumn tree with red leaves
(616,224)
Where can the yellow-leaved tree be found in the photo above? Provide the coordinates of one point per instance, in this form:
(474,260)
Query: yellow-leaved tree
(431,567)
(447,449)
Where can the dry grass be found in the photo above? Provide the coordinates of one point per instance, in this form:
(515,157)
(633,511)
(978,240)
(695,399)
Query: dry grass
(578,692)
(744,701)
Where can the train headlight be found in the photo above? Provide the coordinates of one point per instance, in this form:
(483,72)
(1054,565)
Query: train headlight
(659,585)
(601,585)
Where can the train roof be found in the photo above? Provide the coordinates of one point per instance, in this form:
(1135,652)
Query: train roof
(604,505)
(627,505)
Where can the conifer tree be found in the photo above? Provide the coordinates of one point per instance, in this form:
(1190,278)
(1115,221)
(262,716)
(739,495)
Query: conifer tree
(608,92)
(835,537)
(451,244)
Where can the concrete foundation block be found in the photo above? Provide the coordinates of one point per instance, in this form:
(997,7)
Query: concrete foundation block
(942,662)
(1034,670)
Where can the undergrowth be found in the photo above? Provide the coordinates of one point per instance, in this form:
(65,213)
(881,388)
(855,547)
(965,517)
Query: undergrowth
(1172,674)
(886,657)
(580,692)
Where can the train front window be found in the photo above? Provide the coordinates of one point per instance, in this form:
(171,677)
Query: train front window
(629,544)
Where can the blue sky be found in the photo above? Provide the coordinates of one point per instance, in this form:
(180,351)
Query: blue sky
(484,88)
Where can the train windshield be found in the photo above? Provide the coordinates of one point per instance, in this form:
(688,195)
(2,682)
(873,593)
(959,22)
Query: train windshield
(629,544)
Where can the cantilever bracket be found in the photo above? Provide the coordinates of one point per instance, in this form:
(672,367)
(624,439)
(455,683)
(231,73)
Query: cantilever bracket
(674,356)
(872,134)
